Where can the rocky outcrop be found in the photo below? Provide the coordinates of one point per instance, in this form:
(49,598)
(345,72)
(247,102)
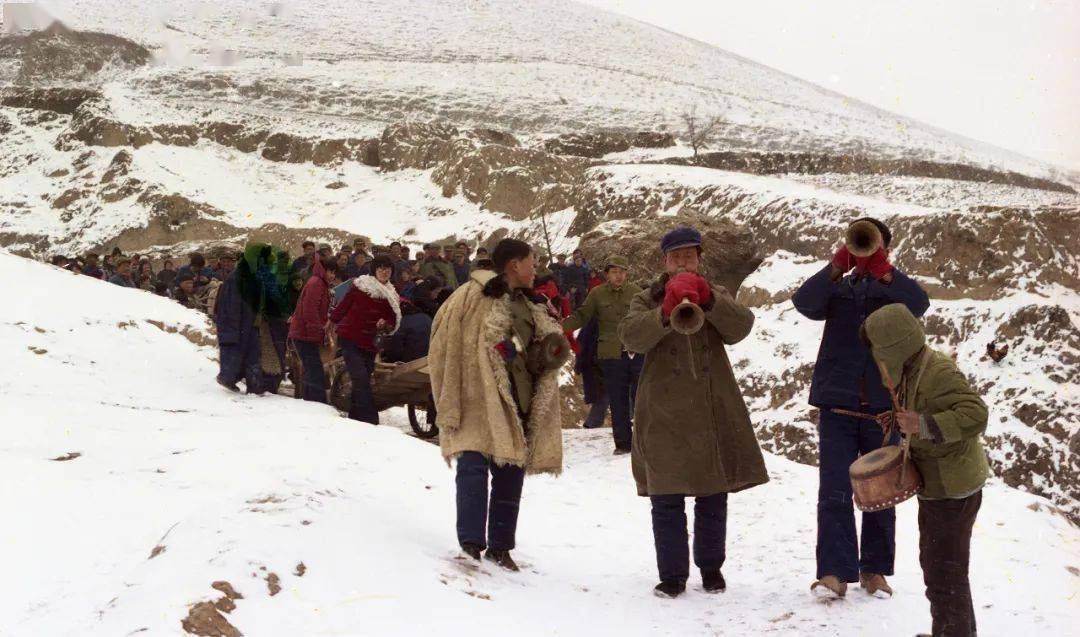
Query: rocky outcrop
(729,252)
(762,163)
(596,145)
(518,182)
(53,99)
(58,54)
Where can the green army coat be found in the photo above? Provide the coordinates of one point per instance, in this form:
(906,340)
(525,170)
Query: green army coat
(609,306)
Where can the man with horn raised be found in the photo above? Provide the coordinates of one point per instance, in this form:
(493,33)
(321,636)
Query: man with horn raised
(858,281)
(692,432)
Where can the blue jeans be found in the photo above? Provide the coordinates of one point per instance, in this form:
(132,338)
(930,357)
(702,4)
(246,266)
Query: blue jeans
(841,440)
(314,380)
(360,363)
(474,511)
(620,383)
(670,535)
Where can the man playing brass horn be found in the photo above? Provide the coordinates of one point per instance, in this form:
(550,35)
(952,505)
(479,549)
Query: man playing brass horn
(692,432)
(858,281)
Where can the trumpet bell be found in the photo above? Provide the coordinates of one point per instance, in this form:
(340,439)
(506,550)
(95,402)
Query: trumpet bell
(863,238)
(687,318)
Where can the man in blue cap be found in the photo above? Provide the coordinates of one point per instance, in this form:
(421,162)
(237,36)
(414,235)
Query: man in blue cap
(843,294)
(692,431)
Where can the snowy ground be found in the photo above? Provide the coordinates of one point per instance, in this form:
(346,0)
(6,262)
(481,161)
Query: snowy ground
(230,485)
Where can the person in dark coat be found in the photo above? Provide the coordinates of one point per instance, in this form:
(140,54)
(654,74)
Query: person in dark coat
(90,267)
(238,339)
(576,280)
(843,294)
(305,260)
(592,381)
(371,305)
(411,341)
(307,327)
(167,274)
(122,275)
(185,292)
(199,271)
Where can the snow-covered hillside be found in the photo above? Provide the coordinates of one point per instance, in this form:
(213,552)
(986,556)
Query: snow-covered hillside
(179,485)
(537,67)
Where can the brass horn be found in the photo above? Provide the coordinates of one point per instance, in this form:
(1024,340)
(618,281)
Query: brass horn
(687,317)
(862,238)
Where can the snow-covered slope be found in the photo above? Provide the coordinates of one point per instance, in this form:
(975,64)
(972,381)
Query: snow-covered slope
(180,485)
(541,67)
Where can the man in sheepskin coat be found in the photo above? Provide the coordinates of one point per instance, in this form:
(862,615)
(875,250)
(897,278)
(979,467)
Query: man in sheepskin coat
(498,413)
(370,305)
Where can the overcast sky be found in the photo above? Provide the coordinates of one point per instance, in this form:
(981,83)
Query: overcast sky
(1005,72)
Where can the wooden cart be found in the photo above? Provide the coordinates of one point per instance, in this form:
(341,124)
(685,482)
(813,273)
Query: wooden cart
(392,385)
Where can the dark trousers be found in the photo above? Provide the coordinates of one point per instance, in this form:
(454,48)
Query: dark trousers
(620,383)
(480,521)
(669,534)
(597,411)
(360,364)
(314,375)
(242,361)
(841,440)
(944,552)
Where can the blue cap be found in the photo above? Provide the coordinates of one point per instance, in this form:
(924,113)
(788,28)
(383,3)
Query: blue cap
(681,237)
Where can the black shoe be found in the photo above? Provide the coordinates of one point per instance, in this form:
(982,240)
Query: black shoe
(472,550)
(502,558)
(230,386)
(713,581)
(669,588)
(621,451)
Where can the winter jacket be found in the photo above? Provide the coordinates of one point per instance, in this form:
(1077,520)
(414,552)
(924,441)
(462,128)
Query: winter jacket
(309,319)
(93,272)
(122,281)
(608,305)
(167,277)
(948,451)
(357,315)
(412,340)
(202,277)
(575,276)
(442,269)
(462,271)
(692,432)
(471,385)
(844,374)
(233,316)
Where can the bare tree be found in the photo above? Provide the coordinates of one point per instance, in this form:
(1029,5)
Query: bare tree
(700,131)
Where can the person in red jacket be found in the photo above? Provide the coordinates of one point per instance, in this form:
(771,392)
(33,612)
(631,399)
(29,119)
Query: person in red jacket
(307,327)
(370,305)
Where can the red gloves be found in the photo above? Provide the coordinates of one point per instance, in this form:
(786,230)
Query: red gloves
(842,259)
(685,285)
(876,264)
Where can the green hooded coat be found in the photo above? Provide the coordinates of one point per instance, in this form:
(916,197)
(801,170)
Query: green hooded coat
(950,456)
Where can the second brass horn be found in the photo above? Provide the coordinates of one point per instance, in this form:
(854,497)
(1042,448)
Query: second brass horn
(862,238)
(687,317)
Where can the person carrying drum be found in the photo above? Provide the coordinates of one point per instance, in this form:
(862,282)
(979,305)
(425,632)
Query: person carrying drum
(944,419)
(845,377)
(693,435)
(494,360)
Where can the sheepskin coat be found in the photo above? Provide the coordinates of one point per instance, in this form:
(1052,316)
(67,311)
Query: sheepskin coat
(471,384)
(358,314)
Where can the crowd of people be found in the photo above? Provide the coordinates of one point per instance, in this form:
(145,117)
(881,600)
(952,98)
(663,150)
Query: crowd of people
(496,327)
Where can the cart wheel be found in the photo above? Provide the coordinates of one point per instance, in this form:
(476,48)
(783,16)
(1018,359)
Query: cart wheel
(341,390)
(422,419)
